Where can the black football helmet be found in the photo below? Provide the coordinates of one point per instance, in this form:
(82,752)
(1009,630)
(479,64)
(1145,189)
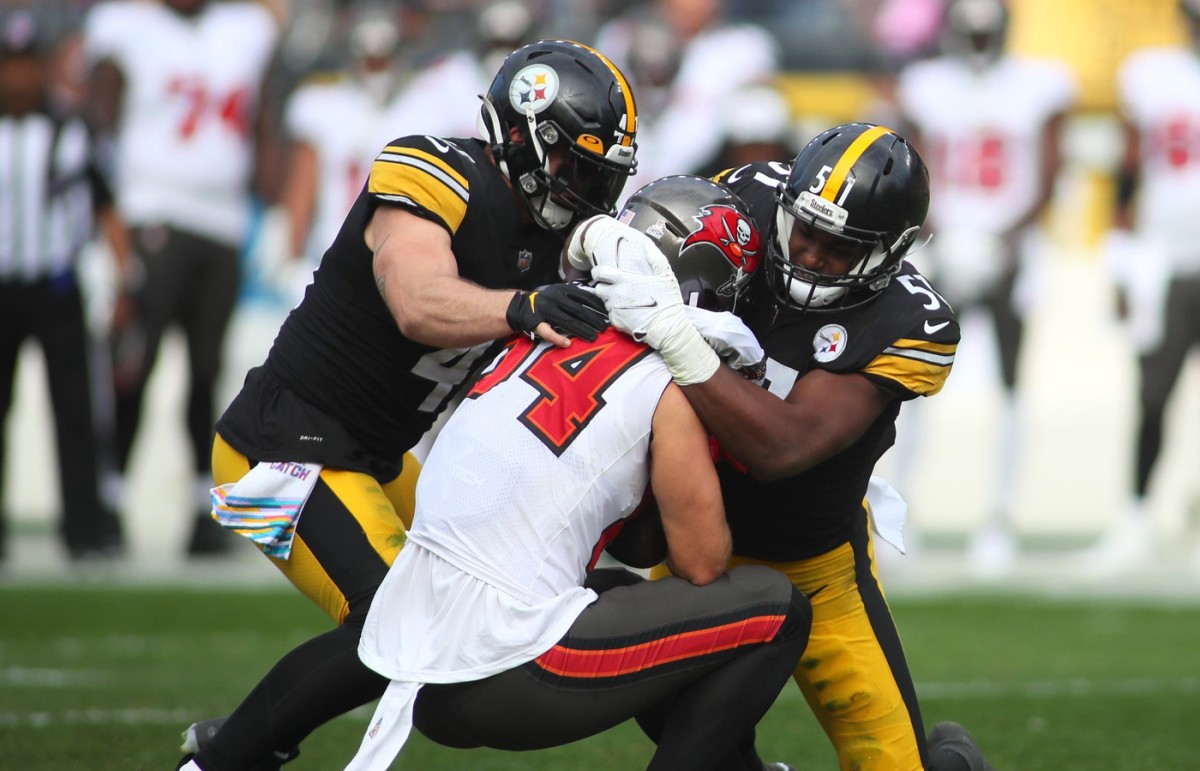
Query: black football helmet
(859,182)
(706,233)
(561,94)
(975,31)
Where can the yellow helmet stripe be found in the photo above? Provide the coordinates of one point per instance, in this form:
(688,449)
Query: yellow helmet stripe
(855,151)
(630,109)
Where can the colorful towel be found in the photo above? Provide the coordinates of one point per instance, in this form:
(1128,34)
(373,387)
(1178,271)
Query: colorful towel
(265,504)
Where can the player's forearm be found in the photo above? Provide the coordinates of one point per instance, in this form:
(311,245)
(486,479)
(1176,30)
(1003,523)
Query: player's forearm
(760,430)
(447,312)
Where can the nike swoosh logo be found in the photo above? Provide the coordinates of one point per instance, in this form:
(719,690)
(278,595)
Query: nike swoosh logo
(931,328)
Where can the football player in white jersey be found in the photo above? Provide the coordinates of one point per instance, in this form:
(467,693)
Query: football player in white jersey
(1154,252)
(540,467)
(677,54)
(177,84)
(338,124)
(989,124)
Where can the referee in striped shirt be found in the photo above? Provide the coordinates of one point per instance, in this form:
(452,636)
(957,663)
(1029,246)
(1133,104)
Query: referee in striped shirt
(52,199)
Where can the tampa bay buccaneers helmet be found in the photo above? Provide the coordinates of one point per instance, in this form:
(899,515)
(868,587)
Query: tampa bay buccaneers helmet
(561,94)
(706,233)
(859,182)
(975,31)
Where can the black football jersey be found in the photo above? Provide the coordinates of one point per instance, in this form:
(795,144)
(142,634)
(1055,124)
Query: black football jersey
(367,393)
(903,340)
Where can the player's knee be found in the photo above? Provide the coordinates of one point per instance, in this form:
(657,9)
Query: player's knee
(764,585)
(798,622)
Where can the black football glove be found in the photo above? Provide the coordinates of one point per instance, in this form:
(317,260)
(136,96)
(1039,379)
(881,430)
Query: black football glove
(569,308)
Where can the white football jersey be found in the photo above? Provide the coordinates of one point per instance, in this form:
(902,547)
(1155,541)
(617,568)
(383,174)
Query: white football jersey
(546,451)
(185,144)
(981,135)
(1159,90)
(684,132)
(347,127)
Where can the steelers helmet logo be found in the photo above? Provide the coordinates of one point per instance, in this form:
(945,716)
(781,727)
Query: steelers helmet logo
(534,86)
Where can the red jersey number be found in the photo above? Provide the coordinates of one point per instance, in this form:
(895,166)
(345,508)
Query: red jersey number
(570,383)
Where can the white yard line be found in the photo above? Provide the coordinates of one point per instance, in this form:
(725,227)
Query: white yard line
(973,690)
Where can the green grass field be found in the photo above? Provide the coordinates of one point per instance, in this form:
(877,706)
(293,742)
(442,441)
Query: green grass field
(105,678)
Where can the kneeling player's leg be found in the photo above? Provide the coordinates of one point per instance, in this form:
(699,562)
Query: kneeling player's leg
(714,657)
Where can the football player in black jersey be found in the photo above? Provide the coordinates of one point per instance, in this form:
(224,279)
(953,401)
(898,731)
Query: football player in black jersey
(851,331)
(451,244)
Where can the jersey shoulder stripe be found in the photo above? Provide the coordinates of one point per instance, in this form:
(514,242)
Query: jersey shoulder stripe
(421,178)
(919,366)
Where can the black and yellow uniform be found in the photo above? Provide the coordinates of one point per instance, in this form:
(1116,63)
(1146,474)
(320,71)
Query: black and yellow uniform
(814,526)
(343,387)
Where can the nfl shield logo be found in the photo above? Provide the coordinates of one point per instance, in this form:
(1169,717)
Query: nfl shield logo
(524,260)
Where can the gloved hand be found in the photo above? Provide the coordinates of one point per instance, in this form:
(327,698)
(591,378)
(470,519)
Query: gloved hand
(582,243)
(647,305)
(569,308)
(732,340)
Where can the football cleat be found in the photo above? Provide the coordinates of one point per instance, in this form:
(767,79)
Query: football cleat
(199,734)
(951,748)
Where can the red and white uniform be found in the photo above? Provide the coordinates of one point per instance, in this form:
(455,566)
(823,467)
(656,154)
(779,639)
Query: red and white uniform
(512,506)
(687,129)
(346,126)
(185,148)
(1159,90)
(981,135)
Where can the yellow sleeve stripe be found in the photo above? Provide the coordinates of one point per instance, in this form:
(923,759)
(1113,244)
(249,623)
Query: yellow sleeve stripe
(925,345)
(841,169)
(414,176)
(922,371)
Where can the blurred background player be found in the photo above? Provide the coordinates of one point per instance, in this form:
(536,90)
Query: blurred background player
(1154,251)
(53,198)
(337,125)
(678,55)
(989,125)
(176,83)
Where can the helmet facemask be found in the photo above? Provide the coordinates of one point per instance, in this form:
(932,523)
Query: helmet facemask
(585,182)
(803,289)
(975,31)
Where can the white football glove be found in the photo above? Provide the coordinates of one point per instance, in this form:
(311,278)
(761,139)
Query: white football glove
(636,283)
(732,340)
(586,236)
